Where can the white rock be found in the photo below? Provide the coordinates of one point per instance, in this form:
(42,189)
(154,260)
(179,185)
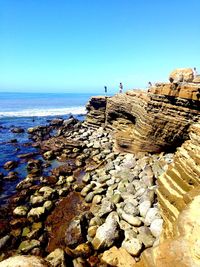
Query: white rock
(20,211)
(156,227)
(152,214)
(144,207)
(135,221)
(23,261)
(133,246)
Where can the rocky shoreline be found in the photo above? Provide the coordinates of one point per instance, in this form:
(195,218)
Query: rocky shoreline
(95,200)
(125,188)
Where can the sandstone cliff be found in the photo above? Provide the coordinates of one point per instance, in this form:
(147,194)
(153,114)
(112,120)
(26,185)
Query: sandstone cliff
(152,121)
(179,200)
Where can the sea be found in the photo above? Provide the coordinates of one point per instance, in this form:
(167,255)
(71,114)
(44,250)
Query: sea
(27,110)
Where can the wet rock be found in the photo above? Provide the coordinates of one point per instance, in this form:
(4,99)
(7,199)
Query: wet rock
(36,213)
(17,130)
(48,205)
(11,176)
(47,192)
(56,122)
(118,257)
(64,170)
(18,222)
(10,165)
(28,245)
(83,250)
(28,155)
(36,200)
(34,166)
(20,211)
(75,233)
(3,241)
(24,261)
(57,258)
(49,155)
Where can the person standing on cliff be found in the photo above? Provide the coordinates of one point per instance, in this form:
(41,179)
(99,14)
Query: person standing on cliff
(194,72)
(105,88)
(120,88)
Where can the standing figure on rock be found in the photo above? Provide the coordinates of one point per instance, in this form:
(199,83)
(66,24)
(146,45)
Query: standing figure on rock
(194,72)
(105,88)
(120,88)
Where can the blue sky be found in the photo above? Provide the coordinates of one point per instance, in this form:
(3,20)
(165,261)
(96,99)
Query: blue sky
(82,45)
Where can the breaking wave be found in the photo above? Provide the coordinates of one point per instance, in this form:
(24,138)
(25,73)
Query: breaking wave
(44,112)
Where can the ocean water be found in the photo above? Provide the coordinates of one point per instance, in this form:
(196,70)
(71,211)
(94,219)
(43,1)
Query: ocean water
(28,110)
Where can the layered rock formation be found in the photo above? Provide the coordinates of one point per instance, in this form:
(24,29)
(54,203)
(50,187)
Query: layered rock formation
(179,199)
(153,122)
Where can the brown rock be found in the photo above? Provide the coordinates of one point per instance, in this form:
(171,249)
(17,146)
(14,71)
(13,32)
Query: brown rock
(118,258)
(180,75)
(10,165)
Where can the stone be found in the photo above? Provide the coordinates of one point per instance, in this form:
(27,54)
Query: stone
(135,221)
(92,230)
(10,165)
(36,200)
(106,207)
(11,176)
(116,198)
(74,233)
(49,155)
(145,236)
(3,241)
(47,192)
(156,227)
(130,208)
(17,130)
(118,257)
(56,258)
(83,250)
(180,75)
(24,261)
(152,214)
(28,245)
(144,207)
(20,211)
(48,205)
(36,213)
(132,246)
(108,233)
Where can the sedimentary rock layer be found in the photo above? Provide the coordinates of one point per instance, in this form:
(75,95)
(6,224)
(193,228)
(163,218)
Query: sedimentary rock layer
(153,122)
(179,200)
(150,122)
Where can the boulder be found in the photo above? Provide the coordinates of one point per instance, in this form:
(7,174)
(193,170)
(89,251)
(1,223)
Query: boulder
(20,211)
(17,130)
(108,233)
(10,165)
(24,261)
(133,246)
(180,75)
(118,257)
(56,258)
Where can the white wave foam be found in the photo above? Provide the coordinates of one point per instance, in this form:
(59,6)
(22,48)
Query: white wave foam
(44,112)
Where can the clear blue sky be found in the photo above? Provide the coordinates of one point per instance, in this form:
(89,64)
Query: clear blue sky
(82,45)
